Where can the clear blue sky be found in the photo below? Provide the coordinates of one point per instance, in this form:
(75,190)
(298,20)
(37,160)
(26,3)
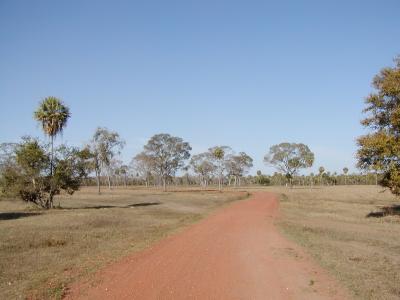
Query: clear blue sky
(248,74)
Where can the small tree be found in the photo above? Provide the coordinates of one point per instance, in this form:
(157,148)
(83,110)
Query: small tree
(345,171)
(30,176)
(104,147)
(289,158)
(321,171)
(238,165)
(143,166)
(166,155)
(203,166)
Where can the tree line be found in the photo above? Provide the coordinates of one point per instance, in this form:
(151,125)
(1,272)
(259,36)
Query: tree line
(36,170)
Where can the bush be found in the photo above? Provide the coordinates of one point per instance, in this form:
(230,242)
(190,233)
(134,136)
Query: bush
(28,175)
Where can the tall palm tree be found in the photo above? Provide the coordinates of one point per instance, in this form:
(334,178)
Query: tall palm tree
(345,171)
(219,155)
(53,115)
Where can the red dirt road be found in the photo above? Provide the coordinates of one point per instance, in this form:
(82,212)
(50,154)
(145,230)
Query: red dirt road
(236,253)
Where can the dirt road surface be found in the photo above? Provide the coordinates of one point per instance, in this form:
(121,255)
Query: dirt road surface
(236,253)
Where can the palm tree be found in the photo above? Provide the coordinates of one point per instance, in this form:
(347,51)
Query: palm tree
(219,155)
(53,115)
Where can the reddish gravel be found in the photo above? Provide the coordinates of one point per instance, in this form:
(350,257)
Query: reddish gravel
(236,253)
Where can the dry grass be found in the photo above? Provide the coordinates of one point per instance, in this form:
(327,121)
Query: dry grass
(43,251)
(362,252)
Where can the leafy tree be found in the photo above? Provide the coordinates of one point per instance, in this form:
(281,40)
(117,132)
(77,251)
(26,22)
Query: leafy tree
(203,166)
(30,176)
(53,115)
(380,149)
(166,154)
(105,145)
(238,165)
(143,165)
(86,161)
(289,158)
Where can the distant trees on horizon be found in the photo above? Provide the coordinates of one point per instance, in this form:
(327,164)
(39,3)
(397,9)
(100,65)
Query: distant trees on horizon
(36,171)
(289,158)
(165,160)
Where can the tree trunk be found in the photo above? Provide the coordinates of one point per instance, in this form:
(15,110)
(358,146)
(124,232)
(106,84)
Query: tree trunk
(52,156)
(49,201)
(164,184)
(109,181)
(98,182)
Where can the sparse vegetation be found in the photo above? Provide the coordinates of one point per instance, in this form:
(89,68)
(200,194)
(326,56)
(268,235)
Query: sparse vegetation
(336,226)
(42,251)
(223,77)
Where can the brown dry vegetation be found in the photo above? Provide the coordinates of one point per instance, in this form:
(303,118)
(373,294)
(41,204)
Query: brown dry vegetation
(331,223)
(43,251)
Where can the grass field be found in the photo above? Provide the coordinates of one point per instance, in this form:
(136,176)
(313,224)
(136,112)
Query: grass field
(43,251)
(331,223)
